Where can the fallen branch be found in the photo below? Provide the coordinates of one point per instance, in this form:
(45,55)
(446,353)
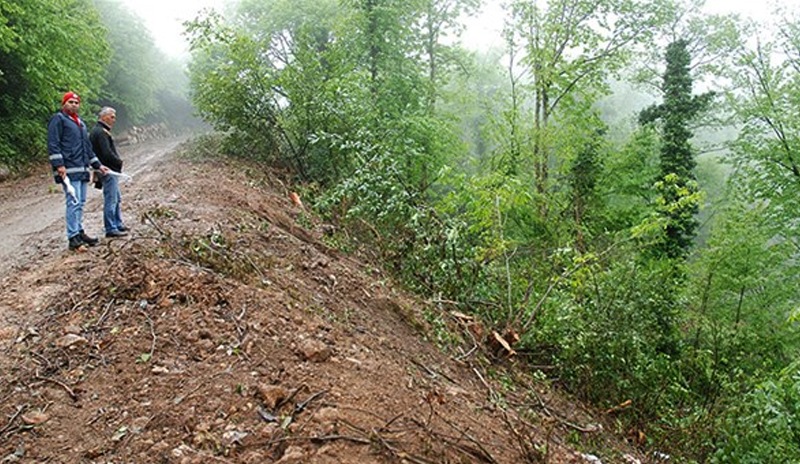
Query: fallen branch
(483,381)
(311,439)
(105,313)
(152,334)
(480,452)
(20,410)
(431,372)
(531,454)
(88,298)
(155,224)
(591,428)
(291,396)
(299,407)
(60,384)
(327,438)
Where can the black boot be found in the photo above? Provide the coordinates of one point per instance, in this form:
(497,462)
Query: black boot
(75,243)
(91,241)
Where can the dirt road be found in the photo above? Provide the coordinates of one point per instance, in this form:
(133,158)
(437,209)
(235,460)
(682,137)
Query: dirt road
(32,222)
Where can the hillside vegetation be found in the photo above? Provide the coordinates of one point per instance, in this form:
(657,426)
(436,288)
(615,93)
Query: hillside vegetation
(227,329)
(610,194)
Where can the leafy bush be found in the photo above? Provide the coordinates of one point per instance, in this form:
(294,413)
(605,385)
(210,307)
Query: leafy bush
(21,141)
(764,427)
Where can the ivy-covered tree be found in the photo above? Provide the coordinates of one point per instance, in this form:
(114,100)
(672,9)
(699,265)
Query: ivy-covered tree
(677,185)
(696,47)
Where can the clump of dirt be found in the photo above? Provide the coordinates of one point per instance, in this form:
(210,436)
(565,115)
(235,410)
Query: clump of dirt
(223,330)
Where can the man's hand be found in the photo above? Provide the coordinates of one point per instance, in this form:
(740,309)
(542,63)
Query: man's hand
(62,171)
(104,169)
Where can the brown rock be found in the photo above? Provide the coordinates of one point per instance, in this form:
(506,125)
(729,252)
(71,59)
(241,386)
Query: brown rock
(70,340)
(159,370)
(314,351)
(327,414)
(254,457)
(72,329)
(271,395)
(7,333)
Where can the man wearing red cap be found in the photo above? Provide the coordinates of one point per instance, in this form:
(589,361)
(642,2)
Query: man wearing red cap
(71,156)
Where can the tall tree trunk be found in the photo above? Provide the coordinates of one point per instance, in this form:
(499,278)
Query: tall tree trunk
(374,51)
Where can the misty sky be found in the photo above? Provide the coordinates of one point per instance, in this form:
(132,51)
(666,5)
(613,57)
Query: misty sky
(164,18)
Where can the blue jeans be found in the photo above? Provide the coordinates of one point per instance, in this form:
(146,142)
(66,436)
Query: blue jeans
(75,211)
(112,216)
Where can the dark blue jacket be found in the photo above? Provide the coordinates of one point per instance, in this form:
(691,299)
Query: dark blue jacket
(69,146)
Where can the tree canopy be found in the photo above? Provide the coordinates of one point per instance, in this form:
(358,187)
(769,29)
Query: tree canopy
(47,47)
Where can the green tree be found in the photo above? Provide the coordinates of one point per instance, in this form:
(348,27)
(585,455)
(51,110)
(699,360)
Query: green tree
(583,178)
(7,33)
(746,306)
(627,181)
(678,183)
(559,59)
(440,19)
(385,41)
(741,299)
(47,47)
(174,105)
(285,80)
(341,93)
(697,48)
(131,77)
(765,155)
(331,87)
(567,52)
(762,426)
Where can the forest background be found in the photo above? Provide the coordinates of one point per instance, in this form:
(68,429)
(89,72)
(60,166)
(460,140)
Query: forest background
(613,188)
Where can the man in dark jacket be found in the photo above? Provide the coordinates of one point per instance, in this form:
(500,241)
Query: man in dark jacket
(106,151)
(70,157)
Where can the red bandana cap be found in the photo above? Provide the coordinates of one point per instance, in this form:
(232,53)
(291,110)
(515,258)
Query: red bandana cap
(69,95)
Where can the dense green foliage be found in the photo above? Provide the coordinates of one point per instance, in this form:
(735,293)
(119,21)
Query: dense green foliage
(93,47)
(502,182)
(762,427)
(492,182)
(678,184)
(40,44)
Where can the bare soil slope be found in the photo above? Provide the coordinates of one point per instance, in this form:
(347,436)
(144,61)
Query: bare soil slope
(225,329)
